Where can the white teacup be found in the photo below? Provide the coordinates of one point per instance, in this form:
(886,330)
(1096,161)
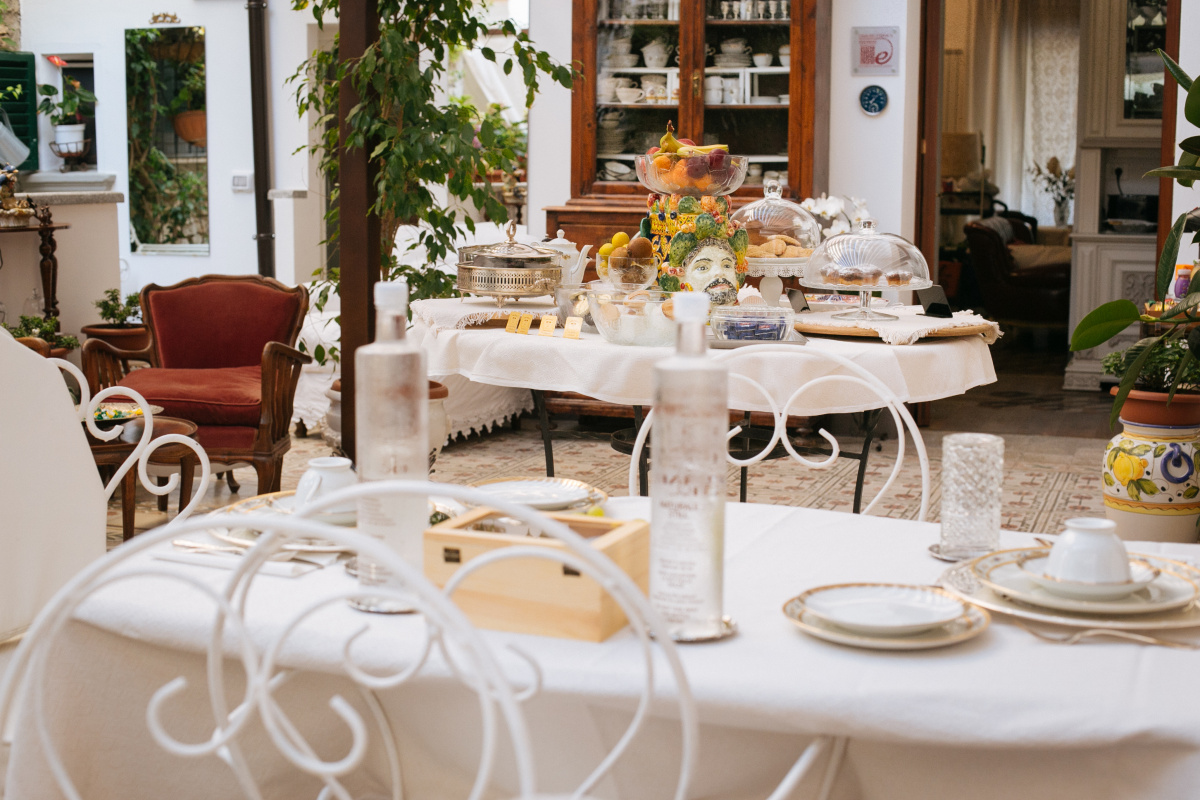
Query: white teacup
(656,92)
(656,61)
(734,49)
(714,82)
(1089,551)
(608,89)
(755,170)
(763,59)
(324,476)
(620,47)
(785,53)
(630,95)
(714,97)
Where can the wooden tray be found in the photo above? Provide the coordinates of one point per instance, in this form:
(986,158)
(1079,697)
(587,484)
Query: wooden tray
(867,333)
(536,595)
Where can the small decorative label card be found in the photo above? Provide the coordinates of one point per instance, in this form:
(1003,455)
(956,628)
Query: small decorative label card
(546,326)
(526,321)
(573,327)
(514,319)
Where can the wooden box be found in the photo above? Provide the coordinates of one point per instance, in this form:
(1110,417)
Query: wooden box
(532,595)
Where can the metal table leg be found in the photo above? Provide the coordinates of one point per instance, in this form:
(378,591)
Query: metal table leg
(869,424)
(539,405)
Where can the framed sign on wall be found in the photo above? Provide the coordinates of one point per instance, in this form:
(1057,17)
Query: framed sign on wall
(875,51)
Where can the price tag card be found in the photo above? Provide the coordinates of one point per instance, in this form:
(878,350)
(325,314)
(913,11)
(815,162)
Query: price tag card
(546,326)
(514,319)
(526,321)
(573,327)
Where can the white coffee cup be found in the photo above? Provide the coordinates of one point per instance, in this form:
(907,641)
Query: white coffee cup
(620,47)
(1090,551)
(785,53)
(624,82)
(630,95)
(656,61)
(714,82)
(755,170)
(608,89)
(656,92)
(713,97)
(763,59)
(730,48)
(324,476)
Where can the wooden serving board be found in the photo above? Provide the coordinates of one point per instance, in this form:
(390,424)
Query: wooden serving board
(867,333)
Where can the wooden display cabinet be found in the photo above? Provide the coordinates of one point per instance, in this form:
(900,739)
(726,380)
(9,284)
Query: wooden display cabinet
(786,136)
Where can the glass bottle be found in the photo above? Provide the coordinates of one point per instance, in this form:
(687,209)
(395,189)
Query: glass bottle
(35,304)
(687,480)
(392,441)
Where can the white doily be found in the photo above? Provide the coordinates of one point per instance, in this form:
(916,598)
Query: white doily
(776,267)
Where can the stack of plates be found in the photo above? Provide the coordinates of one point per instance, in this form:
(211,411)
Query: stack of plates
(731,60)
(885,616)
(611,140)
(1161,594)
(764,100)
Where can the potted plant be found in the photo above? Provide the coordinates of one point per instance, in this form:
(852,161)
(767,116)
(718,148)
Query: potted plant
(122,326)
(1150,483)
(189,115)
(45,329)
(67,115)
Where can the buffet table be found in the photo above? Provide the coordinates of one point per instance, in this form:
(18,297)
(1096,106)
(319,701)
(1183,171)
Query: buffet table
(1004,715)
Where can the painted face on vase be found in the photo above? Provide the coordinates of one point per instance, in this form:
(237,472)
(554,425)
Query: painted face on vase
(712,267)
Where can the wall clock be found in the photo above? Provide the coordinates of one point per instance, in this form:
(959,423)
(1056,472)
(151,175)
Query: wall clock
(873,99)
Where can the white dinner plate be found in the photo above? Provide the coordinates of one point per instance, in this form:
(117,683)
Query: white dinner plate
(544,494)
(1142,576)
(883,609)
(1001,572)
(970,624)
(960,580)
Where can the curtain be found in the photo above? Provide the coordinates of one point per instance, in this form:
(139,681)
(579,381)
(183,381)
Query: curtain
(1022,59)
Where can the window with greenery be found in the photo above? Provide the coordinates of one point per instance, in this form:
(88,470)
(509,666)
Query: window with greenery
(168,156)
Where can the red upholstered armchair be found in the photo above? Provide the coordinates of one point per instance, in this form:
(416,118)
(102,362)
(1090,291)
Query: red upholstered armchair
(221,355)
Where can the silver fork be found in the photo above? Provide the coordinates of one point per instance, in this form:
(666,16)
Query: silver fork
(1129,636)
(201,547)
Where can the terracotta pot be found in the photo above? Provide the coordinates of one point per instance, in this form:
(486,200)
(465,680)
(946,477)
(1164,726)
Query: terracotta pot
(192,127)
(131,337)
(1150,408)
(60,352)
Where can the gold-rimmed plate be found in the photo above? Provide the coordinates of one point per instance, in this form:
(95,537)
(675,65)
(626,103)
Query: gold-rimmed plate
(961,581)
(1173,588)
(544,494)
(970,624)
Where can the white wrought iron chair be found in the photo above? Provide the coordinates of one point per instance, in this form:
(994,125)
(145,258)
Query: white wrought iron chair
(448,635)
(850,375)
(53,516)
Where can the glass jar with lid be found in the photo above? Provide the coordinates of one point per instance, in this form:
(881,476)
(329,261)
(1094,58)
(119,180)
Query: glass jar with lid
(866,261)
(782,238)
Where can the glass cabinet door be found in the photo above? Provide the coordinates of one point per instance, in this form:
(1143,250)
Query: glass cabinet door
(1146,30)
(747,83)
(638,81)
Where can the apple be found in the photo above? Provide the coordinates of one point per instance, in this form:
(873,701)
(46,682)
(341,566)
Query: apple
(697,166)
(716,159)
(687,142)
(653,150)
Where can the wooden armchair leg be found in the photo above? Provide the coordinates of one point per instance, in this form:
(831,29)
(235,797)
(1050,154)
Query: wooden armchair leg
(270,474)
(232,482)
(161,480)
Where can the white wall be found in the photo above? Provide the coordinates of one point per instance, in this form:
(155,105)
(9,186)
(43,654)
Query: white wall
(1189,59)
(71,26)
(550,117)
(875,157)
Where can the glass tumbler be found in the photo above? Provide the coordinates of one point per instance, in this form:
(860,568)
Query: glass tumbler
(972,480)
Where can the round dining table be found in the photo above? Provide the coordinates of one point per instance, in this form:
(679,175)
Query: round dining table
(1001,716)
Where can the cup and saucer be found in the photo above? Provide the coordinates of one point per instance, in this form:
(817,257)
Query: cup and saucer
(323,477)
(885,616)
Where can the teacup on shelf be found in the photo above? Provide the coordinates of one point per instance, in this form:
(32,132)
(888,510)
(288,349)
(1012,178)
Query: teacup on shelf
(324,476)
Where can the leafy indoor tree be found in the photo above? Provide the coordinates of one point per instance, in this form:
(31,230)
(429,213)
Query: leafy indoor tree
(1144,364)
(419,137)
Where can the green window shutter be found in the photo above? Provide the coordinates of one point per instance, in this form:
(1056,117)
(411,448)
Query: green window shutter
(16,69)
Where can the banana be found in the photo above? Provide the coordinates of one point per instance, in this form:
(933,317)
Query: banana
(668,142)
(695,150)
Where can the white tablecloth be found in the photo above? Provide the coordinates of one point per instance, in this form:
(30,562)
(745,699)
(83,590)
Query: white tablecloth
(1002,716)
(929,370)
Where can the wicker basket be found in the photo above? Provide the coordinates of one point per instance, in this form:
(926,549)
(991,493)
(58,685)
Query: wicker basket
(15,217)
(505,283)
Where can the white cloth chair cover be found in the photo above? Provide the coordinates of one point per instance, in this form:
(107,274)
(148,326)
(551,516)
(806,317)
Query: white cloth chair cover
(52,502)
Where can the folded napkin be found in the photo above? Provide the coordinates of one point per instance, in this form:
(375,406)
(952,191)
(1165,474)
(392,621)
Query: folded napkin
(459,313)
(910,326)
(282,569)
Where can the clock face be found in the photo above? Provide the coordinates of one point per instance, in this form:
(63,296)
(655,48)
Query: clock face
(873,99)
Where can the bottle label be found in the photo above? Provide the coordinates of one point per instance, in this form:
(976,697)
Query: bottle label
(686,573)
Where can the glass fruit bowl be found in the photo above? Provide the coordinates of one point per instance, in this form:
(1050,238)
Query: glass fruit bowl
(630,274)
(715,173)
(631,318)
(572,301)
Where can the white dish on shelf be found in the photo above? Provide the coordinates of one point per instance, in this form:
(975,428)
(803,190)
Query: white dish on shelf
(764,100)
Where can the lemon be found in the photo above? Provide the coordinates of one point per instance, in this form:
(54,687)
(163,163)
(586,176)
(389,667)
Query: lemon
(606,249)
(1128,468)
(596,511)
(620,239)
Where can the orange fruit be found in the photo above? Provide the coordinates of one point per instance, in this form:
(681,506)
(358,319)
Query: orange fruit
(663,163)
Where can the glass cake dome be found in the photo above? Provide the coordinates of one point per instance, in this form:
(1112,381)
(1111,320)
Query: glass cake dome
(865,261)
(781,232)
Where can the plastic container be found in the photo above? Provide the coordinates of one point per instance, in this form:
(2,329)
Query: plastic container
(759,323)
(631,318)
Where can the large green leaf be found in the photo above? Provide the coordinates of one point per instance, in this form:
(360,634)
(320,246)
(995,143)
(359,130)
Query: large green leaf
(1103,323)
(1184,173)
(1127,380)
(1166,261)
(1182,78)
(1191,145)
(1183,367)
(1191,106)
